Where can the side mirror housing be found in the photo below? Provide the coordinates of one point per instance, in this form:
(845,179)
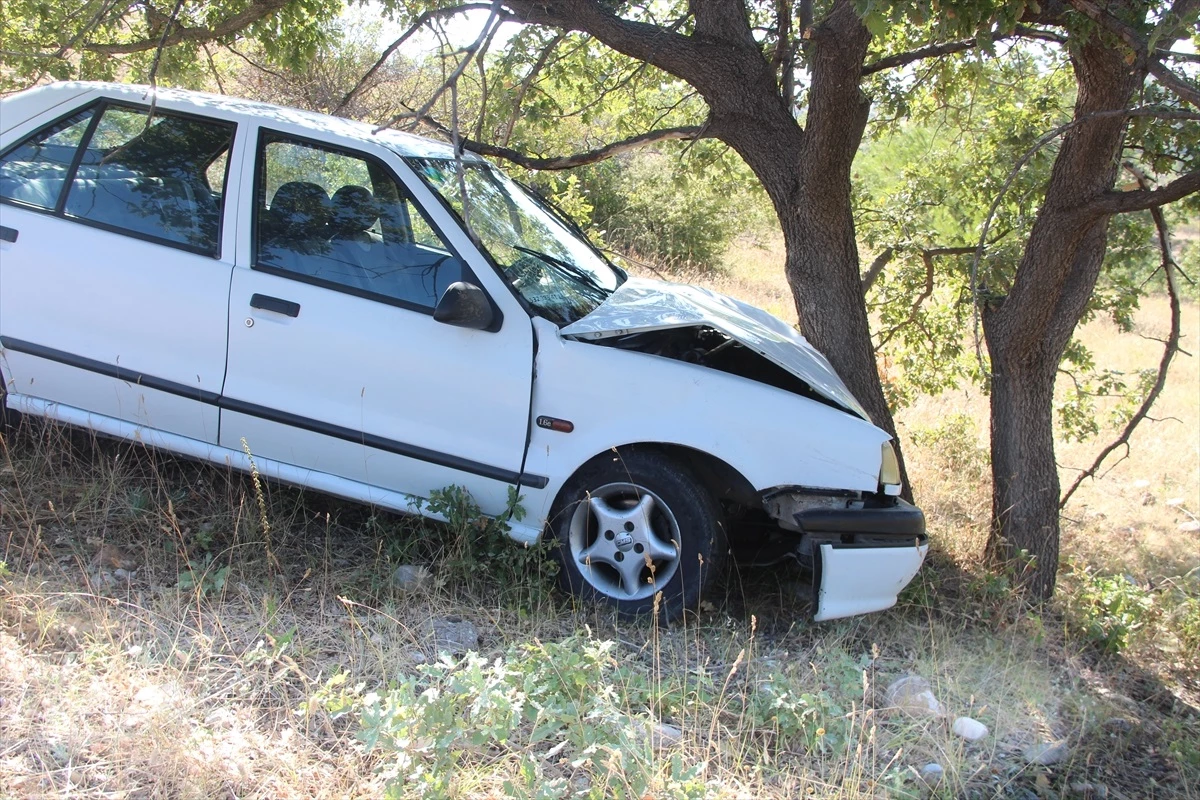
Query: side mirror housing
(465,305)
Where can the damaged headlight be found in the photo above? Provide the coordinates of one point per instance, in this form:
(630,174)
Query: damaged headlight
(889,471)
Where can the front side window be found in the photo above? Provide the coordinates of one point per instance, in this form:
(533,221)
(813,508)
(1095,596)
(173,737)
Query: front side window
(339,218)
(33,173)
(553,269)
(148,175)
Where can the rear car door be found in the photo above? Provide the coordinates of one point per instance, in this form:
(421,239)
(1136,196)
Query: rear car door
(114,286)
(336,363)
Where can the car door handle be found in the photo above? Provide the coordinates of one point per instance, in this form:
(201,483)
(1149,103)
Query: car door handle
(276,304)
(8,234)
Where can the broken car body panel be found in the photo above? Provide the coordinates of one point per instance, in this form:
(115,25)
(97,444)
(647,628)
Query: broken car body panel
(854,579)
(641,305)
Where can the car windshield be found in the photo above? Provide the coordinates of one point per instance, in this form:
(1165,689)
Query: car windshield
(543,258)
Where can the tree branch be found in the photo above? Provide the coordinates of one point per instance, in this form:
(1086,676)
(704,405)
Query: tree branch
(452,80)
(876,267)
(1142,199)
(1172,345)
(1183,88)
(258,9)
(527,83)
(418,23)
(929,51)
(687,133)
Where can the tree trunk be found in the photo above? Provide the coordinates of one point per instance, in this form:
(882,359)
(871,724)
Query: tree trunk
(1024,473)
(1028,331)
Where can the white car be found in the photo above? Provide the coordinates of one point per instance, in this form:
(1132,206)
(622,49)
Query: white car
(369,316)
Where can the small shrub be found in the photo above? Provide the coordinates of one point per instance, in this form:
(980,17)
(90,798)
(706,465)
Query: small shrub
(1108,609)
(478,548)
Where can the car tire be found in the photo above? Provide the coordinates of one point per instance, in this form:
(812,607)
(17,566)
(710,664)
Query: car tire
(632,524)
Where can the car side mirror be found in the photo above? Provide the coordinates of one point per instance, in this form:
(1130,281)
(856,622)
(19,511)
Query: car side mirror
(464,305)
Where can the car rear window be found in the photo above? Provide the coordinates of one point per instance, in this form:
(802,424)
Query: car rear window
(33,173)
(149,175)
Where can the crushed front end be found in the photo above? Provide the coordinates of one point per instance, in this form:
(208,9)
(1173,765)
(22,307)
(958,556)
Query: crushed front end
(862,549)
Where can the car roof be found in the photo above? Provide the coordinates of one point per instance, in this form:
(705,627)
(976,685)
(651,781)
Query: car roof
(403,144)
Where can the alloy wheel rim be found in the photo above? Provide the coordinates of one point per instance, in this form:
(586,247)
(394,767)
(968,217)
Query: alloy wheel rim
(625,540)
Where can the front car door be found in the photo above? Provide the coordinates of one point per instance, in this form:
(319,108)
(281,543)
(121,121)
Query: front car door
(336,363)
(114,288)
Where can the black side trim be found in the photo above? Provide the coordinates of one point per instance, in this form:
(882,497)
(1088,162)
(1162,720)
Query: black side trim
(8,234)
(902,519)
(304,423)
(380,443)
(110,370)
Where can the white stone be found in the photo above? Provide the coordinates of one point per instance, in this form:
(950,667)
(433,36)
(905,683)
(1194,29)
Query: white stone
(932,773)
(1190,527)
(1175,501)
(970,729)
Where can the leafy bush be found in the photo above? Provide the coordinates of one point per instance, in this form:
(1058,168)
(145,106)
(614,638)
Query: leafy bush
(1108,609)
(476,548)
(675,210)
(570,695)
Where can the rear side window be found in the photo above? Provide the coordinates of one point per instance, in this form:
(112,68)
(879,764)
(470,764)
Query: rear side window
(159,177)
(149,176)
(34,172)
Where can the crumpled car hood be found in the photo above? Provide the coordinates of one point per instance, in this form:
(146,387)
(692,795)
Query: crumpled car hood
(640,305)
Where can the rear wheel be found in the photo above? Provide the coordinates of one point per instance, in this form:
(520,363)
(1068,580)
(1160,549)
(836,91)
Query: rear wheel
(630,525)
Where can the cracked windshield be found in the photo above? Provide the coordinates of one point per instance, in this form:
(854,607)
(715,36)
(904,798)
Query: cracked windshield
(557,273)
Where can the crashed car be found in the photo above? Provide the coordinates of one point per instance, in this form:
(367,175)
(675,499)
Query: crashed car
(364,313)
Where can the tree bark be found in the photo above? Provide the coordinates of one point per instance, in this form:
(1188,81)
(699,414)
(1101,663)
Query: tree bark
(1029,330)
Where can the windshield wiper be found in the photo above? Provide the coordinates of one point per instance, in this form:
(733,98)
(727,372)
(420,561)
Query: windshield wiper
(571,270)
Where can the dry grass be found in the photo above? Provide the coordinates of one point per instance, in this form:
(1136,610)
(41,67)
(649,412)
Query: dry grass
(150,688)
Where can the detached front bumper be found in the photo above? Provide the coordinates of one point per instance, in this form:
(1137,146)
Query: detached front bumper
(862,557)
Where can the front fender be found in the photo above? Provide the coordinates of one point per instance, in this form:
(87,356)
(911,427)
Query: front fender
(616,397)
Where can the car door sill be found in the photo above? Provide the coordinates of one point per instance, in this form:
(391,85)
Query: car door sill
(236,459)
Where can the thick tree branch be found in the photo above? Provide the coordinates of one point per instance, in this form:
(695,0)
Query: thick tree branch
(257,10)
(687,133)
(1171,345)
(873,271)
(1183,88)
(929,51)
(418,23)
(1142,199)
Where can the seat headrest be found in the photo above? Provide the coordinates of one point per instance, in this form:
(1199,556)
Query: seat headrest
(354,210)
(300,209)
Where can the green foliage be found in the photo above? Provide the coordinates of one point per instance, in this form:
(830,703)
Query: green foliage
(954,445)
(675,206)
(66,41)
(572,693)
(1108,609)
(203,576)
(477,549)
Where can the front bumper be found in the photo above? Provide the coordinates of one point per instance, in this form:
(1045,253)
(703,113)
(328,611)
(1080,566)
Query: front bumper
(862,557)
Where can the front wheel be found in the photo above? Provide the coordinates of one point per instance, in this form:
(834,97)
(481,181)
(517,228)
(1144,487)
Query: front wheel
(632,524)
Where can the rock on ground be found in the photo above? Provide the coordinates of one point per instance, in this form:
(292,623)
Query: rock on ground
(454,635)
(970,729)
(1046,753)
